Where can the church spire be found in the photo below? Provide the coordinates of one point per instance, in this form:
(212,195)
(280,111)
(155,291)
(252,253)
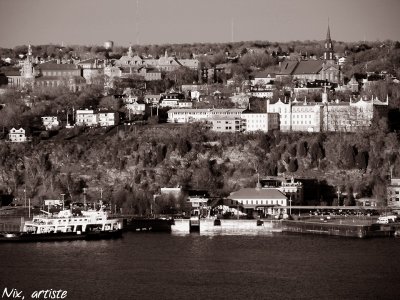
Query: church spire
(328,51)
(328,33)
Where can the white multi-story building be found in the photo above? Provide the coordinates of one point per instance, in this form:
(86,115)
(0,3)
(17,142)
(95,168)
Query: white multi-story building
(227,119)
(186,115)
(107,118)
(326,116)
(306,116)
(260,121)
(283,108)
(227,124)
(86,117)
(17,135)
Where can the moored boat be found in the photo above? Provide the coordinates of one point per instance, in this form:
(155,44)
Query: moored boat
(90,225)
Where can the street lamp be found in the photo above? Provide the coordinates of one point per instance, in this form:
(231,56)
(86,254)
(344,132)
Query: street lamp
(290,205)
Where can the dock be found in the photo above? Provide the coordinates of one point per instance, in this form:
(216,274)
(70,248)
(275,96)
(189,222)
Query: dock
(336,228)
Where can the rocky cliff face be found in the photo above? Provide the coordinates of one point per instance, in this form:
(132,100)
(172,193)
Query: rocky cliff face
(140,161)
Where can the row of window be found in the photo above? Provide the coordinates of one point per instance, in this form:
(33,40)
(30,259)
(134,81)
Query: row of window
(59,73)
(264,202)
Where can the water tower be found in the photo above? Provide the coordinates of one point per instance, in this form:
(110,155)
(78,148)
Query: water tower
(108,45)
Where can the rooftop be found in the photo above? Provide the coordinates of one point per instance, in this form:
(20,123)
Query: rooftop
(254,193)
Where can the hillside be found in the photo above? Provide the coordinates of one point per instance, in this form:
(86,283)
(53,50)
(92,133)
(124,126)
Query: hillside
(131,163)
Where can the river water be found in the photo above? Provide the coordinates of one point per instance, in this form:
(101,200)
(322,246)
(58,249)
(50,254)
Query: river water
(164,266)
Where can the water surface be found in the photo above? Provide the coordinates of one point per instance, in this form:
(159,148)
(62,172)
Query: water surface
(164,266)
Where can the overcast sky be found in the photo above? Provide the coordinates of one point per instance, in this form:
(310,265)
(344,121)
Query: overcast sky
(90,22)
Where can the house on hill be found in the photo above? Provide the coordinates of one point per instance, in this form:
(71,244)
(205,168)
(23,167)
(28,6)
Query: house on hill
(17,135)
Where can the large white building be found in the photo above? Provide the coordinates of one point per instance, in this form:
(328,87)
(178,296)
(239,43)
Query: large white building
(227,124)
(265,201)
(325,116)
(188,115)
(227,119)
(264,122)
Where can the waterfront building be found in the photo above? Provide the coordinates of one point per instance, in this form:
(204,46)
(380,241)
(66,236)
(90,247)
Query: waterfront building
(198,200)
(17,135)
(291,188)
(262,201)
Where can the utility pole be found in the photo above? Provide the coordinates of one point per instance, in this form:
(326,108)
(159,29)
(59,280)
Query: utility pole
(84,198)
(62,199)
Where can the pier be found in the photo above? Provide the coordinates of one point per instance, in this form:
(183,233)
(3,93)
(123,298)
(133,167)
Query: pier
(337,227)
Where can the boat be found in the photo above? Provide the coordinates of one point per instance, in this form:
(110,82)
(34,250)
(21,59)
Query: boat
(89,225)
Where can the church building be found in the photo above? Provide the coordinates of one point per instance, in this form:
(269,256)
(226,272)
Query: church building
(326,68)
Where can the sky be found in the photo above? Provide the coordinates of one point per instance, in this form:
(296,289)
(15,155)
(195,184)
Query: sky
(92,22)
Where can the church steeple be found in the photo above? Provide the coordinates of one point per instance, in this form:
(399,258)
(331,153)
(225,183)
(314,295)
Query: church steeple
(328,34)
(328,51)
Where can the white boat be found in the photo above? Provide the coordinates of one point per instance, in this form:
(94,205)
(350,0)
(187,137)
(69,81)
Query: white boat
(66,226)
